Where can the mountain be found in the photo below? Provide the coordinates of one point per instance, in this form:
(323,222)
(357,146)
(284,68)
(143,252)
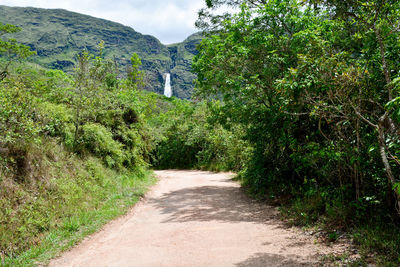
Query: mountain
(59,35)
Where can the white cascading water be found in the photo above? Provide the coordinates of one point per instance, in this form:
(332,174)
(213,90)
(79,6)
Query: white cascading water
(167,88)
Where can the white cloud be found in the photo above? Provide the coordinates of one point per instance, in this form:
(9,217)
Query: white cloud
(170,21)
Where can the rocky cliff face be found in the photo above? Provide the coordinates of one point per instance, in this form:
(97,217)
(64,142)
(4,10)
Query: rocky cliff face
(182,55)
(59,35)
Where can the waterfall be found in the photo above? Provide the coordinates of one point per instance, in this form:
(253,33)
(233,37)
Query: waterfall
(167,88)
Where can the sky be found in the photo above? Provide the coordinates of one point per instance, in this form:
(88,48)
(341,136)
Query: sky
(171,21)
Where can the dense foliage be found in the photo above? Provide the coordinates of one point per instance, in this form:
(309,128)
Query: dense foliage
(316,93)
(191,138)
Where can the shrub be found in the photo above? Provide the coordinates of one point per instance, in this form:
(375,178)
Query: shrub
(16,114)
(55,119)
(98,140)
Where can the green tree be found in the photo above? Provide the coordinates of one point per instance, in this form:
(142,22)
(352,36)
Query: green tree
(135,76)
(372,26)
(310,82)
(10,49)
(95,80)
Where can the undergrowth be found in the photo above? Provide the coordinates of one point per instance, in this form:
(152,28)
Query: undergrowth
(376,239)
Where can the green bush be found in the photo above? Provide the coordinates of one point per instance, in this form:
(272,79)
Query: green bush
(17,107)
(98,140)
(56,119)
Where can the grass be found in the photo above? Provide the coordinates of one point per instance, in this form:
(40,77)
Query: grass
(68,199)
(380,241)
(76,228)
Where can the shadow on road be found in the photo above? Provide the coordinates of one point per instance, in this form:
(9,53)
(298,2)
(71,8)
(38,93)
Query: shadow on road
(225,201)
(267,259)
(208,203)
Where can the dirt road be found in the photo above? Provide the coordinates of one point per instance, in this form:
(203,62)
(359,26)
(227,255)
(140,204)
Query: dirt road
(195,218)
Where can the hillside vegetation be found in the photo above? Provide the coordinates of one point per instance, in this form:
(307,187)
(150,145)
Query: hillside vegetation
(299,98)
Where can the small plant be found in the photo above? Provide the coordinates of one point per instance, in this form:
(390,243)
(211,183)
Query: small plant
(332,237)
(71,224)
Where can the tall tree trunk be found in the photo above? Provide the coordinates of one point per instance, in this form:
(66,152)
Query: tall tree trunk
(382,151)
(385,118)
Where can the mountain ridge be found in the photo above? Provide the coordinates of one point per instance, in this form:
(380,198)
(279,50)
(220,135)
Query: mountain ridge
(58,35)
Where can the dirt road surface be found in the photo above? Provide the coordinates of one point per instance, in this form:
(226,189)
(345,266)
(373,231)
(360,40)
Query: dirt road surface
(196,218)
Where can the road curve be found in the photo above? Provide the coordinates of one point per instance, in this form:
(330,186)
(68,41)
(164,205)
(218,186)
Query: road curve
(196,218)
